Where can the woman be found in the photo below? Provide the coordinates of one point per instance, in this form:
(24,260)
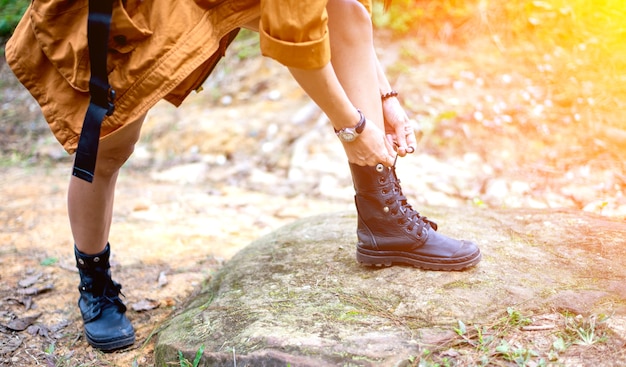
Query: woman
(164,49)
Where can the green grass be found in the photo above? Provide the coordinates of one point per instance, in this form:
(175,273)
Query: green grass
(508,342)
(184,362)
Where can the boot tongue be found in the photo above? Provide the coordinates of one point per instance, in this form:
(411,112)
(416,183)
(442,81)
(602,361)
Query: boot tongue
(98,281)
(411,214)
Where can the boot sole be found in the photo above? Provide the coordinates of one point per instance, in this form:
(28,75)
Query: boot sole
(389,258)
(111,345)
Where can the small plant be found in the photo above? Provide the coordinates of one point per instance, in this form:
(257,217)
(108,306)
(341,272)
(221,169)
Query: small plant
(50,349)
(586,331)
(461,329)
(425,361)
(48,261)
(483,338)
(516,319)
(184,362)
(491,343)
(520,356)
(558,346)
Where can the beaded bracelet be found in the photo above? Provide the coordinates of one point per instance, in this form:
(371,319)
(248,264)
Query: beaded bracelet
(389,94)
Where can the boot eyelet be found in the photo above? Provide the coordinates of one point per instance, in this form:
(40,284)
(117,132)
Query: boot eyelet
(386,209)
(96,259)
(81,261)
(380,167)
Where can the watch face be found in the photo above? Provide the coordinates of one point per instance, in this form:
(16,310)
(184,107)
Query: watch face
(347,136)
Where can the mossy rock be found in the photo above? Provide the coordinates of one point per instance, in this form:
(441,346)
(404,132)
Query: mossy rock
(298,297)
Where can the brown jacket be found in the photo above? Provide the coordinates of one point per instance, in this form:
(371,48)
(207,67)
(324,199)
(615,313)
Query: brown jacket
(157,49)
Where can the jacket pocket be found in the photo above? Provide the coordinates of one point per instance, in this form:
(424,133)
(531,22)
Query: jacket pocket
(60,27)
(129,31)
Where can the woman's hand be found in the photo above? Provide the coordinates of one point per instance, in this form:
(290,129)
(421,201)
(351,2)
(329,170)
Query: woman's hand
(399,128)
(370,148)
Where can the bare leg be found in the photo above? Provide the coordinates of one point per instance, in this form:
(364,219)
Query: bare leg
(389,230)
(353,56)
(90,205)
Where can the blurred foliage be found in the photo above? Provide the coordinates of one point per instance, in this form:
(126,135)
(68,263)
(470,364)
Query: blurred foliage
(426,19)
(10,13)
(577,45)
(577,48)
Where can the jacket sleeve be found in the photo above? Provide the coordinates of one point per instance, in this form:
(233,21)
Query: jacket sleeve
(295,32)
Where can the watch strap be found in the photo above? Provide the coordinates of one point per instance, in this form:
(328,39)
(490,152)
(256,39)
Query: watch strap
(360,126)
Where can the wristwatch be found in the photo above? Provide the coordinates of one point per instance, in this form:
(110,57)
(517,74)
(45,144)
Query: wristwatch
(348,134)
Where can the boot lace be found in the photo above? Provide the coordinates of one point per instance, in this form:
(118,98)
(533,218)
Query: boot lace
(410,216)
(111,291)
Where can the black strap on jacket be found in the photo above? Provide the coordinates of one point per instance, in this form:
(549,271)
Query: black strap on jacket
(102,95)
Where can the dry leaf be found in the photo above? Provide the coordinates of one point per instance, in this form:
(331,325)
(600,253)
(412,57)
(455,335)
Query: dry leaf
(32,291)
(28,281)
(9,343)
(22,323)
(162,281)
(168,302)
(145,305)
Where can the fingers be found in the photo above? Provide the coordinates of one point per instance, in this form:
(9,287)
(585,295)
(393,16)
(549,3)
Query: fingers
(371,148)
(404,140)
(410,139)
(402,134)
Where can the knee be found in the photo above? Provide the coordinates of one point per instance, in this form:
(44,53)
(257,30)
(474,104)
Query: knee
(350,18)
(358,12)
(115,150)
(111,160)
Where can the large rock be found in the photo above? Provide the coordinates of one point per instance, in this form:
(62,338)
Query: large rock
(297,296)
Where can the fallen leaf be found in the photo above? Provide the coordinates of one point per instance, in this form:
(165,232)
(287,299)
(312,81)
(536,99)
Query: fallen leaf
(28,281)
(59,326)
(40,330)
(145,305)
(22,323)
(168,302)
(33,291)
(27,302)
(9,343)
(162,281)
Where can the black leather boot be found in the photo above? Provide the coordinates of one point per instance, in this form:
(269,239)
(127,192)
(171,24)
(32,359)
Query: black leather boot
(390,231)
(106,326)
